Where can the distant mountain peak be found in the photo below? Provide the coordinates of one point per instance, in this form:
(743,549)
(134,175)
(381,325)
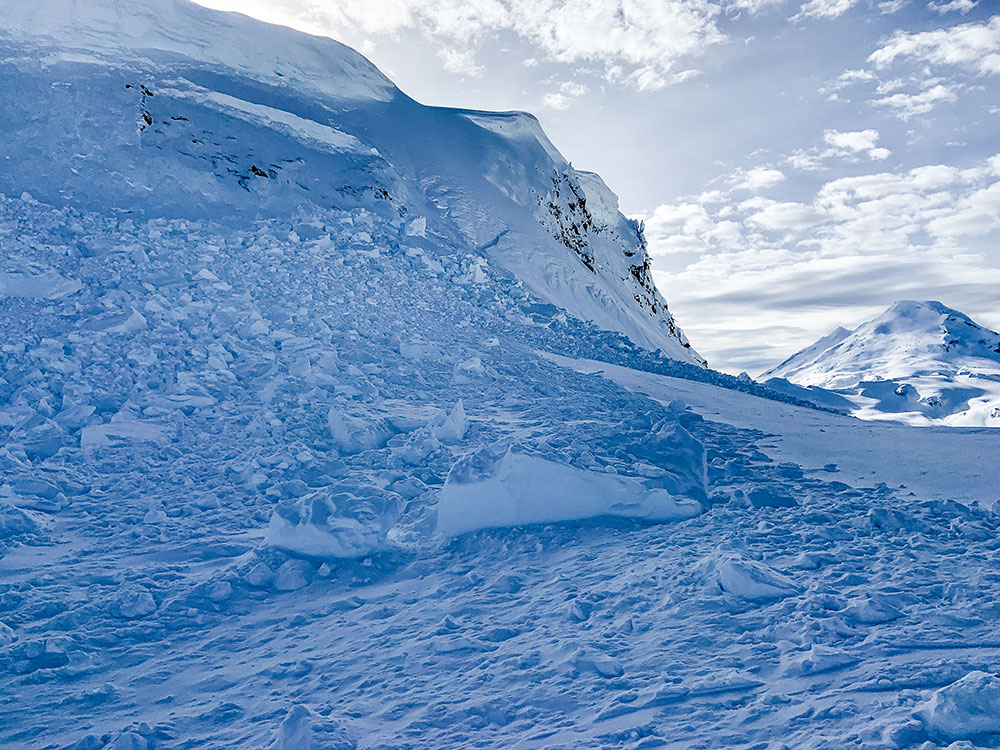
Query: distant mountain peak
(925,348)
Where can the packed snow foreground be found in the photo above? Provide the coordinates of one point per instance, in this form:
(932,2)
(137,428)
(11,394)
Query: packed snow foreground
(305,446)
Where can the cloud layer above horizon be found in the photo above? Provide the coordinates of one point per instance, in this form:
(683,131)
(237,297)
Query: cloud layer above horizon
(800,164)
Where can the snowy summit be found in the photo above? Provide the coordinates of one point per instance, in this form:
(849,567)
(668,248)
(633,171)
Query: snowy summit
(918,361)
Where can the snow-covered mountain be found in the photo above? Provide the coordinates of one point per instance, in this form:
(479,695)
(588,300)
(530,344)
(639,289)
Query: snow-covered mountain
(173,110)
(919,362)
(329,421)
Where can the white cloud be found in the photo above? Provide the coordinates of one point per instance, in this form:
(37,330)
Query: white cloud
(975,46)
(975,215)
(826,8)
(754,6)
(760,178)
(563,98)
(778,216)
(908,105)
(959,6)
(642,43)
(556,101)
(927,67)
(850,144)
(460,61)
(856,140)
(772,271)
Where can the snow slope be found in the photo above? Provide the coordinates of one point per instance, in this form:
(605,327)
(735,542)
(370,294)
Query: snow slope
(169,109)
(918,362)
(935,463)
(315,457)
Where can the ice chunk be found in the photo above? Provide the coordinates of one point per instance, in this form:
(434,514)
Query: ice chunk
(44,286)
(7,635)
(134,603)
(129,741)
(516,488)
(967,708)
(679,455)
(816,660)
(450,427)
(751,580)
(333,523)
(417,227)
(295,732)
(259,576)
(301,729)
(293,575)
(354,434)
(15,521)
(99,436)
(871,610)
(771,497)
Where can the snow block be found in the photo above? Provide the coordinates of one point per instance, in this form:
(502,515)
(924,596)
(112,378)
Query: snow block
(15,521)
(670,447)
(340,522)
(302,729)
(967,708)
(751,580)
(450,427)
(98,436)
(353,434)
(7,635)
(134,603)
(515,488)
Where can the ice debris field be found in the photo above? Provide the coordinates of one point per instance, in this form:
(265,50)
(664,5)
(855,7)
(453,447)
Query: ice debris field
(399,466)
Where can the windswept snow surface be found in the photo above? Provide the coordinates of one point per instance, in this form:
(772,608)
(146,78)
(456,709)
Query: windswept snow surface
(918,362)
(305,457)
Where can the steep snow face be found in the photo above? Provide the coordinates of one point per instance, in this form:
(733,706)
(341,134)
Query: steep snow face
(166,109)
(161,28)
(919,362)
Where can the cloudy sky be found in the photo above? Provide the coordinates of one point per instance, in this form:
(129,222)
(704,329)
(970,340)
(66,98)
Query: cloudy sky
(800,164)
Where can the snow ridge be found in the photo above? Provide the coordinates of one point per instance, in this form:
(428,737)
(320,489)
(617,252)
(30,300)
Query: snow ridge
(176,110)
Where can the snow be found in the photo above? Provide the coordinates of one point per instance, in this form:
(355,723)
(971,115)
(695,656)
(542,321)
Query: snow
(362,453)
(750,580)
(44,286)
(932,463)
(515,489)
(183,28)
(965,709)
(237,118)
(918,362)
